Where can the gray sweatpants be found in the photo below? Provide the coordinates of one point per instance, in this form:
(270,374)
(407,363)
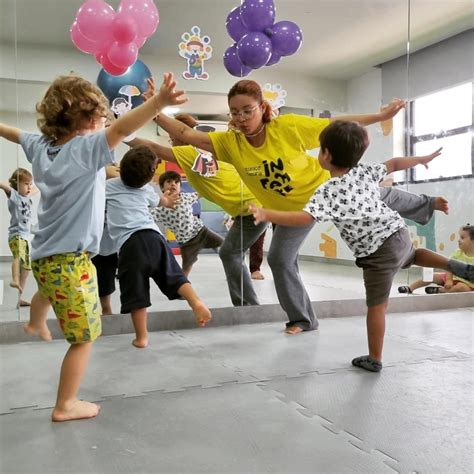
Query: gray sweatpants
(283,256)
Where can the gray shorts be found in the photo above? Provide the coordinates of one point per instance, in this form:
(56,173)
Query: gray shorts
(205,239)
(381,266)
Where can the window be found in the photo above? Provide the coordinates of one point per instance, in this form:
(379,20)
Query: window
(443,119)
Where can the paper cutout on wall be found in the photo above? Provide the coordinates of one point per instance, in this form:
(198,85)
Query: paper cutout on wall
(329,246)
(196,49)
(274,94)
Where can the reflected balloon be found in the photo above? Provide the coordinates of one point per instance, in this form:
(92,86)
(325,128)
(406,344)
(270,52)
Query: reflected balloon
(233,64)
(286,37)
(257,15)
(135,75)
(254,50)
(234,25)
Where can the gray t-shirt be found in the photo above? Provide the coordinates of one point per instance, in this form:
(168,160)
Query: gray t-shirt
(20,212)
(353,203)
(128,210)
(71,178)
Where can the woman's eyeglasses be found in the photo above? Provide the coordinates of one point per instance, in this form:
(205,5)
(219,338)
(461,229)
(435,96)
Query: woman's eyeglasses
(245,114)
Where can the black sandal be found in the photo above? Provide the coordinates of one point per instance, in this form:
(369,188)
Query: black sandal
(405,289)
(432,290)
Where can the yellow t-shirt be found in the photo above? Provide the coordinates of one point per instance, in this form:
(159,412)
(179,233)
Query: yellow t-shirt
(218,182)
(280,173)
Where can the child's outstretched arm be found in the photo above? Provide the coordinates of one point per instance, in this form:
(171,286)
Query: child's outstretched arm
(386,113)
(11,134)
(137,118)
(6,187)
(179,129)
(162,152)
(288,218)
(403,163)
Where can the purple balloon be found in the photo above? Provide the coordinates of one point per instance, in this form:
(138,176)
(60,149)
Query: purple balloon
(233,64)
(234,25)
(274,58)
(286,37)
(254,49)
(257,15)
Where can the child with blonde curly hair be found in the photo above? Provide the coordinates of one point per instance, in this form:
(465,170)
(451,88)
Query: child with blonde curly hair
(18,191)
(68,160)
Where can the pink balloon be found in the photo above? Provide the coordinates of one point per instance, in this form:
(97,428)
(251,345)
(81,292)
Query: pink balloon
(124,28)
(95,18)
(122,54)
(144,12)
(140,41)
(81,42)
(111,68)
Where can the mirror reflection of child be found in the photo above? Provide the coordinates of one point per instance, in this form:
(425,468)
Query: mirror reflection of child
(18,191)
(449,282)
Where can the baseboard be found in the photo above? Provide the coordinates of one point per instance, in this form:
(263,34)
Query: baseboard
(12,331)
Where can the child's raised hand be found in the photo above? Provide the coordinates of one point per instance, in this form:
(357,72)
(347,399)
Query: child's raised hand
(258,213)
(424,160)
(151,89)
(389,111)
(168,92)
(171,199)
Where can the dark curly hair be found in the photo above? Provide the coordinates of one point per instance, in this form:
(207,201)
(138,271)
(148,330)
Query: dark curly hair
(68,100)
(469,229)
(19,175)
(169,175)
(345,141)
(138,166)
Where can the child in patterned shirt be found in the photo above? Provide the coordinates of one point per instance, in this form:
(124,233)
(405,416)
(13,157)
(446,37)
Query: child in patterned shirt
(191,233)
(18,191)
(377,235)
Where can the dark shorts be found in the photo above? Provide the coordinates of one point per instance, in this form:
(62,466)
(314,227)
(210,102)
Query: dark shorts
(143,256)
(106,267)
(205,239)
(380,267)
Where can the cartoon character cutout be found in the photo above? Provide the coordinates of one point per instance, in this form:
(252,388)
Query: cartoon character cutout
(196,49)
(274,94)
(121,105)
(206,165)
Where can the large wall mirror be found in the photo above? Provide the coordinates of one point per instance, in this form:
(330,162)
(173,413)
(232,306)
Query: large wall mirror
(354,59)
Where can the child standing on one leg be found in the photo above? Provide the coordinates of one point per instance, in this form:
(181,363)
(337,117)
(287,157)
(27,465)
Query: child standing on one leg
(68,161)
(448,282)
(143,251)
(377,235)
(18,191)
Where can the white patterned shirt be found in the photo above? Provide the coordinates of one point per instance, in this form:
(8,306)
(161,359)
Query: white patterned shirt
(180,220)
(353,203)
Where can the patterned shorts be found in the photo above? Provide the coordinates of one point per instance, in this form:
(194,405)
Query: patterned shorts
(20,248)
(69,281)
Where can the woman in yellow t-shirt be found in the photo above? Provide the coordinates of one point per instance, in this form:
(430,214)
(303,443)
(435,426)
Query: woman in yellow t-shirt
(270,157)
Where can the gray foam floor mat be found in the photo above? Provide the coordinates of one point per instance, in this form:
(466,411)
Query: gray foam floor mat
(251,399)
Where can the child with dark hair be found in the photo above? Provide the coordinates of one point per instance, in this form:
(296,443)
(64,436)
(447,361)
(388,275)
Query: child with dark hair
(377,235)
(448,282)
(191,233)
(18,191)
(68,160)
(143,251)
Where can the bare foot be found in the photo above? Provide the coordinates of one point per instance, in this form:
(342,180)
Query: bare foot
(441,204)
(293,330)
(140,343)
(257,275)
(16,285)
(42,332)
(202,314)
(78,411)
(22,303)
